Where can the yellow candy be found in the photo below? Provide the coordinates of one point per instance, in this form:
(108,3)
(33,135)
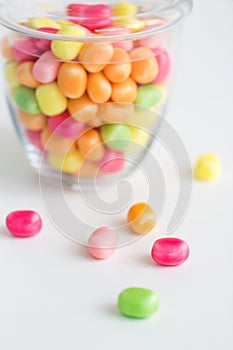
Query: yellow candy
(50,99)
(40,22)
(125,8)
(208,167)
(133,24)
(65,23)
(10,74)
(67,163)
(67,50)
(139,138)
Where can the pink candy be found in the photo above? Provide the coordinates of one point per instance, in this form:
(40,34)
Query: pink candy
(170,251)
(126,45)
(91,16)
(46,68)
(102,243)
(164,63)
(64,125)
(112,162)
(35,138)
(24,49)
(44,44)
(24,223)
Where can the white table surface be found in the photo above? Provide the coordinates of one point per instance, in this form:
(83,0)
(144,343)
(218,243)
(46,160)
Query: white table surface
(54,296)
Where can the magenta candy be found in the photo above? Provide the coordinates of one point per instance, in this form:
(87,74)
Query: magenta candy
(112,162)
(64,125)
(170,251)
(46,68)
(35,138)
(102,243)
(93,24)
(164,63)
(24,223)
(44,44)
(24,49)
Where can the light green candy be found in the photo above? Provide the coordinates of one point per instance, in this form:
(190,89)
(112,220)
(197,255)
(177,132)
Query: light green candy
(25,98)
(148,95)
(138,302)
(116,136)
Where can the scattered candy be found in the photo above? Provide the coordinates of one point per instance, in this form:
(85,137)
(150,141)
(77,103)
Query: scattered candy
(24,223)
(102,243)
(208,167)
(170,251)
(138,302)
(141,218)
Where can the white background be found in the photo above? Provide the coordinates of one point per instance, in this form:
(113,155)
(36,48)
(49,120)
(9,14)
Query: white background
(54,296)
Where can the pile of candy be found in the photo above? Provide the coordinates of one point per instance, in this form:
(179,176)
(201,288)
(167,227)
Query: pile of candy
(66,87)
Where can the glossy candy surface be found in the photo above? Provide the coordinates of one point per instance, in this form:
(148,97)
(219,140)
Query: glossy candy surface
(24,223)
(144,65)
(102,243)
(170,251)
(141,218)
(138,302)
(46,68)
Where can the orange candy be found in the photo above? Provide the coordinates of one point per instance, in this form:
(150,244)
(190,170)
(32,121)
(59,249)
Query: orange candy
(141,218)
(95,56)
(95,122)
(6,49)
(82,109)
(72,79)
(34,122)
(25,76)
(91,146)
(144,65)
(125,91)
(99,88)
(116,112)
(87,169)
(56,144)
(120,68)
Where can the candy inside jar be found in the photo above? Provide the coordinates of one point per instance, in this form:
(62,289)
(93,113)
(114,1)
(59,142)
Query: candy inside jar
(87,82)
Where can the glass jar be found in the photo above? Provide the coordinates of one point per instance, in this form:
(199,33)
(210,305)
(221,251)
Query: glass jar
(87,83)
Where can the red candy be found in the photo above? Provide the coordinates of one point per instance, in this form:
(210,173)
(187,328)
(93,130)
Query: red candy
(24,223)
(170,251)
(24,49)
(35,138)
(91,16)
(65,126)
(44,44)
(164,63)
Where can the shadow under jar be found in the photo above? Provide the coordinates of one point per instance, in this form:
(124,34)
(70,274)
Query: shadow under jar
(87,83)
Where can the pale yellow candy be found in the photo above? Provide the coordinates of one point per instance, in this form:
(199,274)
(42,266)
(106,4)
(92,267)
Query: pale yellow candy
(208,167)
(10,74)
(164,93)
(139,139)
(67,163)
(41,22)
(134,24)
(50,99)
(65,23)
(125,8)
(67,50)
(145,118)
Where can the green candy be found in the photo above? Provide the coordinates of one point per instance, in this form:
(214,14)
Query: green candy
(148,95)
(116,136)
(26,100)
(138,302)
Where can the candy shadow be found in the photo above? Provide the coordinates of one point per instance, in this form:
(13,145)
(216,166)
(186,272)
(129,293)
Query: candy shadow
(4,233)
